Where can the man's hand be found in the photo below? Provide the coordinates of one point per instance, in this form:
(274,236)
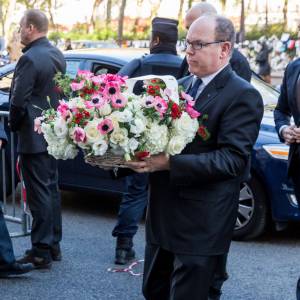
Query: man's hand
(288,134)
(296,131)
(159,162)
(1,142)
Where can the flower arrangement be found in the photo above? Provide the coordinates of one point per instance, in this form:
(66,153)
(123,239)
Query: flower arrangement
(103,116)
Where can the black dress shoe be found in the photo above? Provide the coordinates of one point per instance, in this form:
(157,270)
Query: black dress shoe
(37,261)
(15,269)
(56,252)
(124,256)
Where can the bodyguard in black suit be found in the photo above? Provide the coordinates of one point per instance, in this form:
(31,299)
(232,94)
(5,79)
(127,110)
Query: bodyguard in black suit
(289,106)
(238,61)
(194,196)
(8,264)
(31,87)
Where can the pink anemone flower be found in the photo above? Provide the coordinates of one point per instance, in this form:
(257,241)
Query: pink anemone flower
(63,108)
(85,74)
(96,101)
(75,86)
(119,102)
(105,126)
(149,101)
(188,98)
(160,105)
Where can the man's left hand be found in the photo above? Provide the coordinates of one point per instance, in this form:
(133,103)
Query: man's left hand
(159,162)
(296,133)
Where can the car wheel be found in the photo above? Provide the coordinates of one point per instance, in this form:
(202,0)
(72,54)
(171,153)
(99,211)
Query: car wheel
(252,212)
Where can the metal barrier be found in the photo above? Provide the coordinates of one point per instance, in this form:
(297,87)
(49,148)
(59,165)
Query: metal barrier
(10,209)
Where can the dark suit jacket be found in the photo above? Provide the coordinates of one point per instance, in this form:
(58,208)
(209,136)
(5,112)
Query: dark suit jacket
(193,207)
(32,84)
(238,62)
(287,107)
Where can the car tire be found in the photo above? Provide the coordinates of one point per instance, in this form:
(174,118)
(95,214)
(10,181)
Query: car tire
(253,208)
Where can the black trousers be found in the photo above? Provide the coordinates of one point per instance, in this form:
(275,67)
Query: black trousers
(170,276)
(41,182)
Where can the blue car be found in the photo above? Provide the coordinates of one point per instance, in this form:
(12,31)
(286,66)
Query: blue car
(267,196)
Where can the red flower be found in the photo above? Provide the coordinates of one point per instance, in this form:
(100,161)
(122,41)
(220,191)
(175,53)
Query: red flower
(141,154)
(86,114)
(78,118)
(151,91)
(175,111)
(202,131)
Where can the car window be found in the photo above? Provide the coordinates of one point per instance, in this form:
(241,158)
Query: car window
(269,95)
(103,69)
(72,67)
(5,82)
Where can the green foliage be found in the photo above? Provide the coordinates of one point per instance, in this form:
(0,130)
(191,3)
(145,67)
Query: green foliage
(55,36)
(255,32)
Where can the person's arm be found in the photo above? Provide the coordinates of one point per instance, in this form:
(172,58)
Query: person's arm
(282,112)
(238,132)
(24,81)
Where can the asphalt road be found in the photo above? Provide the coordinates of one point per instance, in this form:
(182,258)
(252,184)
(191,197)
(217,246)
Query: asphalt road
(266,269)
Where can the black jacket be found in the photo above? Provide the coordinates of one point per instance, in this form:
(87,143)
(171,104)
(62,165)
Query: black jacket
(238,62)
(287,108)
(193,207)
(32,84)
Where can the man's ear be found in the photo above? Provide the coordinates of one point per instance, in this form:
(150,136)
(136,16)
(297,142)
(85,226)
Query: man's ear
(155,41)
(226,49)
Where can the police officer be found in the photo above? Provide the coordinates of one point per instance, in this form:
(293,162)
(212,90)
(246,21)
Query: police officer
(162,60)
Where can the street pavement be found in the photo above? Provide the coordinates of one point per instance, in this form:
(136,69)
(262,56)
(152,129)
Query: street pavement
(265,269)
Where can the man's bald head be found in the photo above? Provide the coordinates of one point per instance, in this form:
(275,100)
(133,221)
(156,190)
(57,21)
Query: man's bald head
(198,10)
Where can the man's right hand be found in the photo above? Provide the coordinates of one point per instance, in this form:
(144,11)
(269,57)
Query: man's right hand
(1,142)
(288,134)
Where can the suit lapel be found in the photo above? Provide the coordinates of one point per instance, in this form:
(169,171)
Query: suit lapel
(294,93)
(211,91)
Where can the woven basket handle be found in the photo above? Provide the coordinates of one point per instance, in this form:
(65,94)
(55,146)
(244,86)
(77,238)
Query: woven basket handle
(170,81)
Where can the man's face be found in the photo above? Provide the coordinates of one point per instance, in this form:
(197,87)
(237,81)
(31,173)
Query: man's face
(25,32)
(208,60)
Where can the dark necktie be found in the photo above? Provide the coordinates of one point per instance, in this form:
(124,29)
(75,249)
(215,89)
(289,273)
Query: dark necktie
(195,87)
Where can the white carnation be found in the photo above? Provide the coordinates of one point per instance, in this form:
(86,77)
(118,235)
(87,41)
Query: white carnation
(156,138)
(119,137)
(60,128)
(185,126)
(138,126)
(133,144)
(91,131)
(100,147)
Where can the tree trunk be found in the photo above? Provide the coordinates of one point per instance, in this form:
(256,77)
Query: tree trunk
(108,13)
(242,22)
(180,11)
(285,9)
(92,24)
(154,9)
(266,16)
(190,2)
(121,21)
(8,18)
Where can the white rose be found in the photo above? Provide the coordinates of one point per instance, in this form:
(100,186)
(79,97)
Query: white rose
(100,147)
(185,126)
(91,132)
(176,145)
(60,128)
(105,109)
(138,126)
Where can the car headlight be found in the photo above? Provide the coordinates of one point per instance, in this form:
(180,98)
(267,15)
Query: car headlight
(279,151)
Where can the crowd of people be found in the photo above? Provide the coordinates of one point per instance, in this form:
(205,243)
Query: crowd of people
(193,201)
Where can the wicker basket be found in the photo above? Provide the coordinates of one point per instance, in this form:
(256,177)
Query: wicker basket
(106,161)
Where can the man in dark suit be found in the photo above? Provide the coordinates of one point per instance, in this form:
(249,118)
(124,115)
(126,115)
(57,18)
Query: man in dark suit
(289,106)
(238,61)
(8,264)
(32,86)
(194,196)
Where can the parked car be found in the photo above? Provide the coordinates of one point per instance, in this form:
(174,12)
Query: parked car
(268,193)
